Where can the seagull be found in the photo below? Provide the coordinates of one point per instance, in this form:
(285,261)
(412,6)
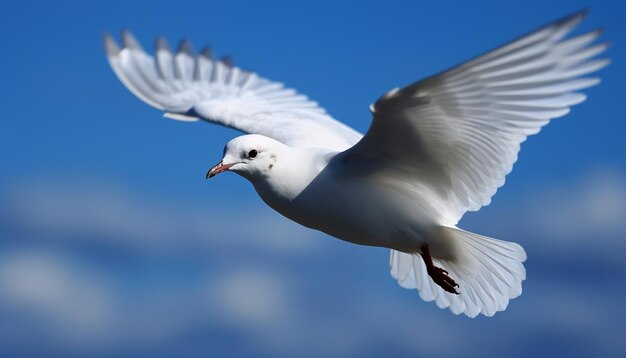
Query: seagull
(435,150)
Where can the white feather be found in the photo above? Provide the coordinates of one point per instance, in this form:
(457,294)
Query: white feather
(435,149)
(187,87)
(467,124)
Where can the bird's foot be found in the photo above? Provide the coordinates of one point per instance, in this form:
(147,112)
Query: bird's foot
(440,277)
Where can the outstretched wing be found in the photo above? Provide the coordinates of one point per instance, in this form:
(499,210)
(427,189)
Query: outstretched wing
(189,87)
(457,134)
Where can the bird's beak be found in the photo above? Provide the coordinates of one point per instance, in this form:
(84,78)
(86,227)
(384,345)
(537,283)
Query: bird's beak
(218,168)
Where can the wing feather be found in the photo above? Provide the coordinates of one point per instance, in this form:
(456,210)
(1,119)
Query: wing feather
(464,127)
(189,87)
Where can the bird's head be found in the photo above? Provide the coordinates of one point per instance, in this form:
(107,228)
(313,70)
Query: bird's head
(251,156)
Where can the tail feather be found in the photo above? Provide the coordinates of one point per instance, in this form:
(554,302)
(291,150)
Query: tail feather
(489,273)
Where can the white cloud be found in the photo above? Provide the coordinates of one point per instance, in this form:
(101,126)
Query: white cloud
(69,303)
(585,215)
(591,209)
(272,313)
(251,297)
(97,210)
(274,307)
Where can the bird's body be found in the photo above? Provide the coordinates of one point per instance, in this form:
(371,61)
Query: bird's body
(436,149)
(324,197)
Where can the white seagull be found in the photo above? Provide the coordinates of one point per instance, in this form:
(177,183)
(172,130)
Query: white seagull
(435,149)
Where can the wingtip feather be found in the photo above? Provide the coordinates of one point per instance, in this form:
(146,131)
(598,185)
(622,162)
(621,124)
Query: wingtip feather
(185,47)
(110,46)
(575,17)
(129,40)
(228,61)
(161,44)
(207,53)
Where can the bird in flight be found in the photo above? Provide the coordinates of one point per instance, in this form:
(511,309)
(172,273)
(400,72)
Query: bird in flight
(436,149)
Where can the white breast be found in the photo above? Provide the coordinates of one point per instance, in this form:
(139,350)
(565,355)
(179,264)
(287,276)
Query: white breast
(352,209)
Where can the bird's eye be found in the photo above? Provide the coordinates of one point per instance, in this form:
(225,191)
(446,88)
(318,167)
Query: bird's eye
(253,153)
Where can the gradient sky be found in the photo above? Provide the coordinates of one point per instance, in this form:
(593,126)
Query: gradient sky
(111,241)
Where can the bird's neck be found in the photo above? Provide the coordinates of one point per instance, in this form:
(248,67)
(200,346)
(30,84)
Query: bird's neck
(293,172)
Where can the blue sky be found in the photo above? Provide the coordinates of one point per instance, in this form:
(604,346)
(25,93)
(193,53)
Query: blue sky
(112,241)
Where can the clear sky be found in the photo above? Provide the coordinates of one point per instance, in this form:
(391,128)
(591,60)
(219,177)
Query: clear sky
(111,241)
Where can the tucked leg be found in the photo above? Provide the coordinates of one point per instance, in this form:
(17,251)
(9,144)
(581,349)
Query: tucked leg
(439,275)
